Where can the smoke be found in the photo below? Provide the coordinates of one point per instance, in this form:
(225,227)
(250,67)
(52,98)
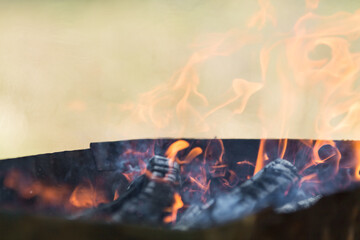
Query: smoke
(72,72)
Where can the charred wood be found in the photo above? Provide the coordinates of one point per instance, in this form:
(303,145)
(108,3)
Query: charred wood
(298,205)
(267,188)
(146,197)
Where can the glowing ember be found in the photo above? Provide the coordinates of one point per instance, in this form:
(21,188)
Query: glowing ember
(28,188)
(85,196)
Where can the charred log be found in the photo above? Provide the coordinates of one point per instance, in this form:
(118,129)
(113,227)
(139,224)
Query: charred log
(156,195)
(267,188)
(146,197)
(298,205)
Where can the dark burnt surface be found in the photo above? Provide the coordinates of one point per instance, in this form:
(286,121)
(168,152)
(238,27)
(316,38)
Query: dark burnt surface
(67,166)
(334,217)
(105,160)
(55,169)
(266,188)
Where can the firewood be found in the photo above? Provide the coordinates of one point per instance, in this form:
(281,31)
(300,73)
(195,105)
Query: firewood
(146,198)
(298,205)
(267,188)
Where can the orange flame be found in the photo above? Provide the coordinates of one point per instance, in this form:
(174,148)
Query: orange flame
(316,158)
(282,147)
(85,196)
(116,195)
(261,157)
(357,160)
(191,155)
(179,145)
(175,147)
(306,75)
(245,162)
(174,209)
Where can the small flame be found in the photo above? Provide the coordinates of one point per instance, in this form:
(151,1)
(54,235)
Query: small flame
(179,145)
(357,160)
(261,157)
(245,162)
(85,196)
(178,203)
(175,148)
(316,159)
(191,155)
(282,147)
(116,195)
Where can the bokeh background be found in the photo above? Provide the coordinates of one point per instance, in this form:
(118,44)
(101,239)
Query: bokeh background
(68,68)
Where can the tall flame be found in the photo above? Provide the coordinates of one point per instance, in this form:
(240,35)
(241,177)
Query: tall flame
(261,156)
(307,82)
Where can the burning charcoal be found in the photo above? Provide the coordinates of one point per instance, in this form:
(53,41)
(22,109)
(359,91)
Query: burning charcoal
(295,206)
(147,196)
(156,195)
(196,216)
(329,165)
(267,188)
(323,170)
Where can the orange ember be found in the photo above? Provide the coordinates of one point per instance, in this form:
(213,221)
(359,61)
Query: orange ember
(27,188)
(85,196)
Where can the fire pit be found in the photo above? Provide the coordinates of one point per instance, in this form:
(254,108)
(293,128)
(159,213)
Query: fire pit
(185,188)
(285,75)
